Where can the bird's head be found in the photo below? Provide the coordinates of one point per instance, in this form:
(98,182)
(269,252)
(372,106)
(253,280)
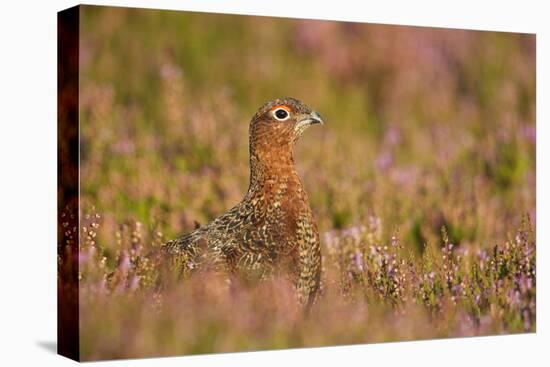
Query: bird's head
(280,122)
(273,131)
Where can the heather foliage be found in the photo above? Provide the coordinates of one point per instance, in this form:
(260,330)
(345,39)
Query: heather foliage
(422,180)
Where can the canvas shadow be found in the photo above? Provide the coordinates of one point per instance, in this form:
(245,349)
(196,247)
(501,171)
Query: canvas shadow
(49,345)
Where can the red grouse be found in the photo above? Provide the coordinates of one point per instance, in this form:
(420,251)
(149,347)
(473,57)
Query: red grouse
(272,230)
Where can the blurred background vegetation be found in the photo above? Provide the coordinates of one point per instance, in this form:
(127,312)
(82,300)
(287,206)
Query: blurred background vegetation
(425,128)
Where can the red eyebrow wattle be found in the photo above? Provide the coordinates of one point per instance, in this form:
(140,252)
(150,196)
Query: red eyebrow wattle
(281,106)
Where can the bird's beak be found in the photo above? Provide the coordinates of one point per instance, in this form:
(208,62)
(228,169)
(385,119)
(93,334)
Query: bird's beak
(312,118)
(316,118)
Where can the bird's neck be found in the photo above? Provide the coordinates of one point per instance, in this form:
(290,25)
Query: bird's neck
(270,168)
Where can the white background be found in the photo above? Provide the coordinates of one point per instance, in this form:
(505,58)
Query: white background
(28,182)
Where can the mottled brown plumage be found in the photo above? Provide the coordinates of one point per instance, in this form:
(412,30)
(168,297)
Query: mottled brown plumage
(272,230)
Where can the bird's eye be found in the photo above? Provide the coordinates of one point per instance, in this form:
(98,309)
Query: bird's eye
(281,114)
